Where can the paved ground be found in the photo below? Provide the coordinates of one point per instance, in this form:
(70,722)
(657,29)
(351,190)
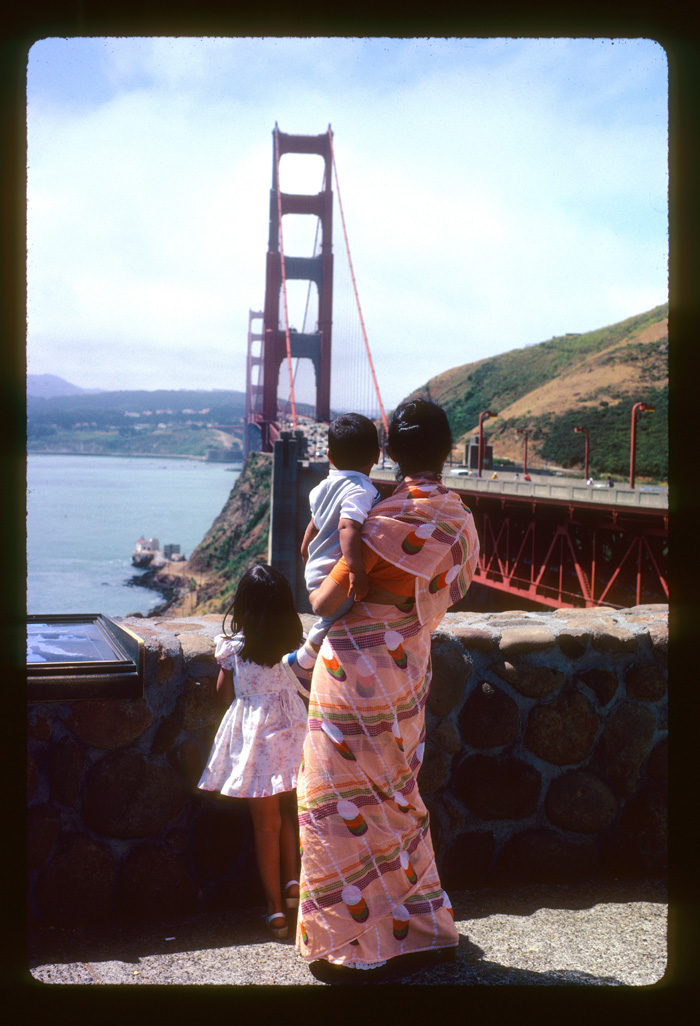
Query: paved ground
(609,935)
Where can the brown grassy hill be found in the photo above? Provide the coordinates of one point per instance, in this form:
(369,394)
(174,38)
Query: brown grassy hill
(591,379)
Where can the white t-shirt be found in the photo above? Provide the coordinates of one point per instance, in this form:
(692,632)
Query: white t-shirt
(343,494)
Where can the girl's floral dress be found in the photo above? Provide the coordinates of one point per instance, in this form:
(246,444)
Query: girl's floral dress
(258,746)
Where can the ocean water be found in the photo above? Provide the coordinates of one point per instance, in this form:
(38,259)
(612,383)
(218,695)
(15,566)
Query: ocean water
(85,514)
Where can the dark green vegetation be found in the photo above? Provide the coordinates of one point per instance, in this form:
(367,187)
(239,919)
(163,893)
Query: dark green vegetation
(237,538)
(610,438)
(591,379)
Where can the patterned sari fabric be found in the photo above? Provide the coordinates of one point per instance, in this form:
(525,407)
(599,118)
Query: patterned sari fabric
(369,886)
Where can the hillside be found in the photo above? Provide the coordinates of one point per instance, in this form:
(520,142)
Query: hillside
(198,424)
(592,379)
(47,386)
(159,422)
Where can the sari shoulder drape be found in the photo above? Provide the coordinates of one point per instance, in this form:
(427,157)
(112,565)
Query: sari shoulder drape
(425,529)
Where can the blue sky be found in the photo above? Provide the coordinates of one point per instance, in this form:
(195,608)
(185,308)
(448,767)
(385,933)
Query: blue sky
(497,192)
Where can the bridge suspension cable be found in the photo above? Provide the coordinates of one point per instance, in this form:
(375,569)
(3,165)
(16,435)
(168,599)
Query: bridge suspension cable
(354,285)
(284,281)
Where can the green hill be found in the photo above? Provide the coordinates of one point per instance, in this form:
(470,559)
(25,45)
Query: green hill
(591,379)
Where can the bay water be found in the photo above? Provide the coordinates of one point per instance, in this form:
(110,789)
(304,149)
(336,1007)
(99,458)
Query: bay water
(86,513)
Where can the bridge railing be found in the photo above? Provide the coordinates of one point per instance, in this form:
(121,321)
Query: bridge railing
(548,488)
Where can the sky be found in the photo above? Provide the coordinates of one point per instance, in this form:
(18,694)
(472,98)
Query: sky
(496,193)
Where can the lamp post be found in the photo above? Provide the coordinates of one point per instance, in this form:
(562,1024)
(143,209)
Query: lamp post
(645,408)
(525,433)
(585,431)
(484,415)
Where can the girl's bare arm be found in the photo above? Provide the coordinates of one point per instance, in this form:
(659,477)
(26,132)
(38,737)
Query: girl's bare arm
(224,687)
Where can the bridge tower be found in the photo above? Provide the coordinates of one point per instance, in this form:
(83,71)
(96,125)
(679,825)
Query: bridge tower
(317,268)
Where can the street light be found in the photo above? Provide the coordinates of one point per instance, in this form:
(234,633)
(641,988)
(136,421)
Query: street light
(644,408)
(484,415)
(585,431)
(526,433)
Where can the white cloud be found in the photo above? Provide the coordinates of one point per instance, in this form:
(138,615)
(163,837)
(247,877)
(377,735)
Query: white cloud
(495,192)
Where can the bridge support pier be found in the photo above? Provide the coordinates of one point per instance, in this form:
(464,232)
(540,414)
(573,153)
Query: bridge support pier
(293,477)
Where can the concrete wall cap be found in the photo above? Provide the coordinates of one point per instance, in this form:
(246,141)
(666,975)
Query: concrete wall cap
(525,639)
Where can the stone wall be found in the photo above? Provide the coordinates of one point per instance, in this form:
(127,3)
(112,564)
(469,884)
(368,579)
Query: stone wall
(545,759)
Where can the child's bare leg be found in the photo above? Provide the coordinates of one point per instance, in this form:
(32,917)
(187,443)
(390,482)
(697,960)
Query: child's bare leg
(267,824)
(289,842)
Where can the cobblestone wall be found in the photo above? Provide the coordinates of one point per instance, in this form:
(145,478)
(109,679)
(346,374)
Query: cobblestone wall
(545,759)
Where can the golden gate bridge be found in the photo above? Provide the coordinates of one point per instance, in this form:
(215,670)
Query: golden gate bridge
(296,324)
(542,545)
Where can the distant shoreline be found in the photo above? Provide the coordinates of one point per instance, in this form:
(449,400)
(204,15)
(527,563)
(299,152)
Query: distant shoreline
(133,455)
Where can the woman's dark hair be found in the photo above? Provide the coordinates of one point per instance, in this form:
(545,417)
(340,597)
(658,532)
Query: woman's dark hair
(263,610)
(419,437)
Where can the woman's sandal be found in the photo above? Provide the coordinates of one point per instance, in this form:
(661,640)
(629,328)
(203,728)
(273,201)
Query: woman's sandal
(280,932)
(291,901)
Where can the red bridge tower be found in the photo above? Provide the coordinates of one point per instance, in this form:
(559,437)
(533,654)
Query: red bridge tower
(318,268)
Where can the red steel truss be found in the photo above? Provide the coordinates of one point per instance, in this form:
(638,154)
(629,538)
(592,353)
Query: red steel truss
(561,555)
(558,554)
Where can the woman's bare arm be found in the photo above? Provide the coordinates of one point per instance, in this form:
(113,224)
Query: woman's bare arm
(329,596)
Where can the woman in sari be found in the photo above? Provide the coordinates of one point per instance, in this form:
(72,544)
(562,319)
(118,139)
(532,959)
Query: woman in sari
(369,888)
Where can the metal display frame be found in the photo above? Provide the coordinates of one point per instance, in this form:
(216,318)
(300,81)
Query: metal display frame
(82,656)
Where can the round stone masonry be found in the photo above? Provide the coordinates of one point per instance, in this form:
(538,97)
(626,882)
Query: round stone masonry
(109,723)
(562,731)
(573,641)
(645,681)
(451,667)
(78,884)
(546,752)
(528,638)
(580,801)
(127,795)
(489,718)
(43,828)
(602,682)
(66,762)
(624,746)
(497,787)
(532,681)
(155,884)
(539,854)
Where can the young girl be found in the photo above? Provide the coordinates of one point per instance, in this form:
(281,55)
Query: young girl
(257,749)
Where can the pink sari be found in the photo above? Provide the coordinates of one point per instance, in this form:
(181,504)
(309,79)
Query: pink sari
(369,886)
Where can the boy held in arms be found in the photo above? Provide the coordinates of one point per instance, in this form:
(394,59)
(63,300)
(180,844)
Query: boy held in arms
(339,507)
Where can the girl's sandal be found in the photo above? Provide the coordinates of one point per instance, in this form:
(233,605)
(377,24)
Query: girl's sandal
(280,932)
(291,901)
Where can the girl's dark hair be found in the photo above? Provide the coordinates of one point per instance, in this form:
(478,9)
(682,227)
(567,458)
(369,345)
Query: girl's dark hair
(263,610)
(419,437)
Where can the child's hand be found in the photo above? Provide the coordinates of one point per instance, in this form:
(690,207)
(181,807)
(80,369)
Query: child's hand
(359,585)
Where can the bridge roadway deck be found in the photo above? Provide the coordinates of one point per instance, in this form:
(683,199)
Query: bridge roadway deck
(547,488)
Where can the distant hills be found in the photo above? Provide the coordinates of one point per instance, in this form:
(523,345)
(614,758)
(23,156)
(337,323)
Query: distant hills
(47,386)
(591,379)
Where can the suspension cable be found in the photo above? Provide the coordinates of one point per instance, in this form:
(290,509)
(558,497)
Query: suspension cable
(354,285)
(284,281)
